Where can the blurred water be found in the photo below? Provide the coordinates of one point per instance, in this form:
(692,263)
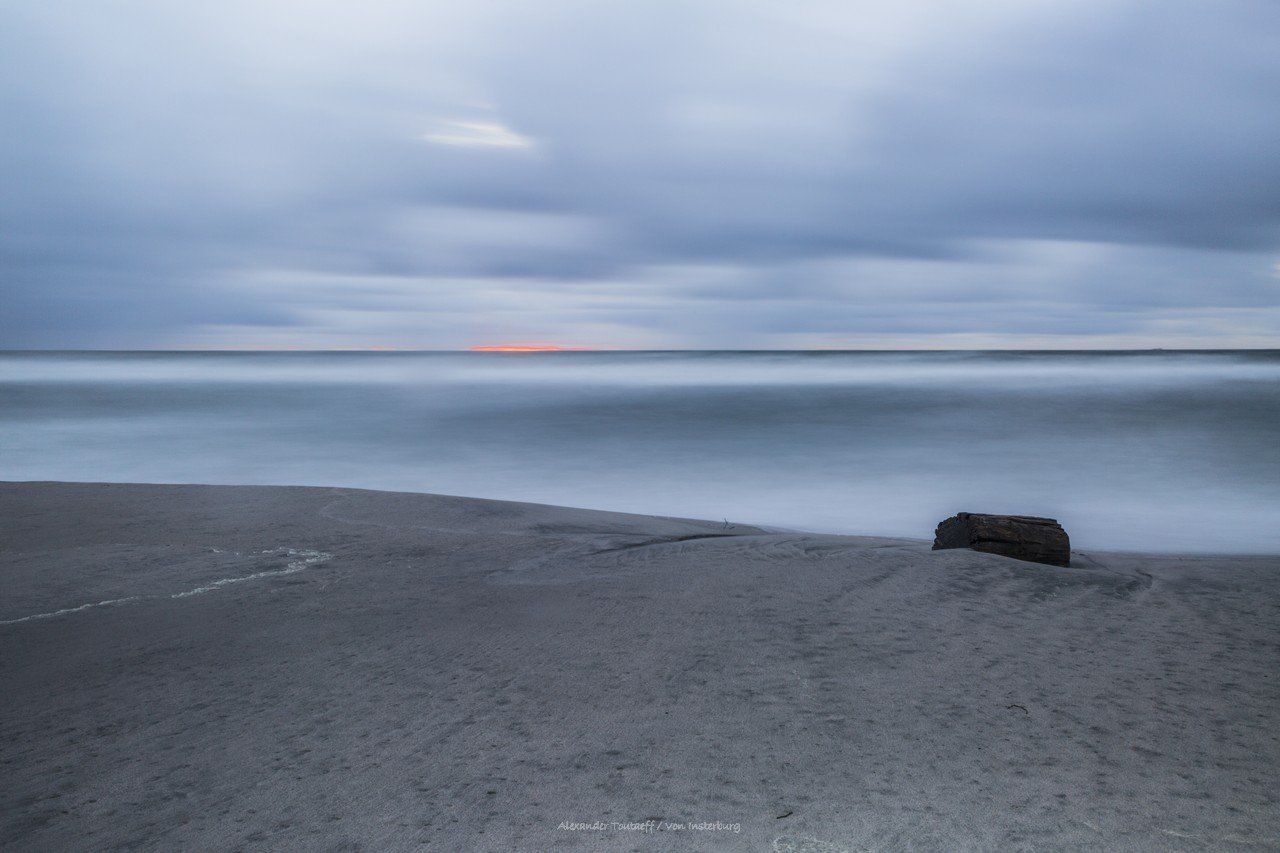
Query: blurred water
(1169,451)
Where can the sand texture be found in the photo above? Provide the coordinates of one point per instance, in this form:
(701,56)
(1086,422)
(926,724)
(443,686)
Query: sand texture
(218,668)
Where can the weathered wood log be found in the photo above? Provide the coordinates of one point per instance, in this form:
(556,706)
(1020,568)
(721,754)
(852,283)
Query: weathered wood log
(1023,537)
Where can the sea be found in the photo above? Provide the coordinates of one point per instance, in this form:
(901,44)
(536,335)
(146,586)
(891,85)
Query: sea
(1167,451)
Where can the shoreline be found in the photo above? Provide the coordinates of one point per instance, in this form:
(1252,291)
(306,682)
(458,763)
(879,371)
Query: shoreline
(763,527)
(302,667)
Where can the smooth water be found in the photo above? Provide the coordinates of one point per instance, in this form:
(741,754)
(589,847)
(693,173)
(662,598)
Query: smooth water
(1167,451)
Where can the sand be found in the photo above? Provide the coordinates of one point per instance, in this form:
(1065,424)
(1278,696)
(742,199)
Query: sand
(326,669)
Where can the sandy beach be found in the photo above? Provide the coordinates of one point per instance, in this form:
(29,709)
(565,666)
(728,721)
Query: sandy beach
(219,668)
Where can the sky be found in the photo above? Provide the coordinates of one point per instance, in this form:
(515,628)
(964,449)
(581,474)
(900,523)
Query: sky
(774,174)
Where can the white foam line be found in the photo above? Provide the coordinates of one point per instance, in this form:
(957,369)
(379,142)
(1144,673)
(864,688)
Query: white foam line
(308,559)
(108,603)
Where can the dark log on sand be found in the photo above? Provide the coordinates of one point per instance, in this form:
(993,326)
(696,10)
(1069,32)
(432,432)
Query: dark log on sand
(1023,537)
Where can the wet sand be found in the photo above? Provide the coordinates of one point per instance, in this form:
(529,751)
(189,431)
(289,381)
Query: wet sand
(199,667)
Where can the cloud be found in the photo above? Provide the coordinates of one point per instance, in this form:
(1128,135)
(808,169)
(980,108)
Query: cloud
(657,174)
(476,134)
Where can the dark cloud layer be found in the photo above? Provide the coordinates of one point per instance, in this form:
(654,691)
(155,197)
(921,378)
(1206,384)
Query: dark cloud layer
(1024,173)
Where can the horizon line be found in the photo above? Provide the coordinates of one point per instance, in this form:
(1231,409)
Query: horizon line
(550,350)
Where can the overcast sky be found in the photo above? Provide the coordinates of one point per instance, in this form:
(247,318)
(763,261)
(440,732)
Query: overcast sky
(270,173)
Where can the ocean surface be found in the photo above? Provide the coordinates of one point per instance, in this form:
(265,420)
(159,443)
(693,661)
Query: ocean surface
(1162,451)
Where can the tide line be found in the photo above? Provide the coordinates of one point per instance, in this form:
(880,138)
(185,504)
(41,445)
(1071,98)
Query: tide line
(305,560)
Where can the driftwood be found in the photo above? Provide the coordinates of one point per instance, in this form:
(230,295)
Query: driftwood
(1023,537)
